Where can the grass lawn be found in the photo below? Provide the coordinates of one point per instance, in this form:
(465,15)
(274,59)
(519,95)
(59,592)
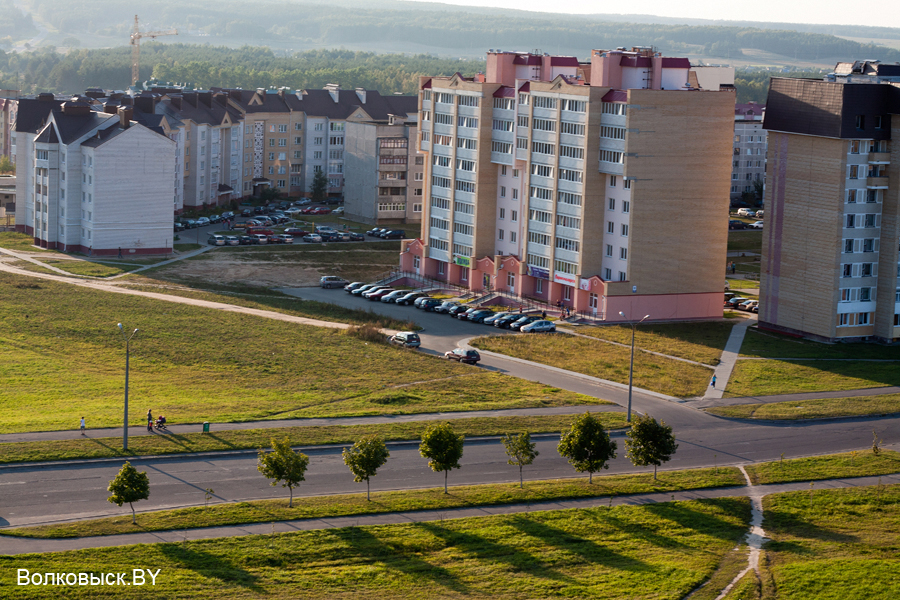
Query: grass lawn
(700,342)
(63,358)
(732,563)
(814,409)
(832,544)
(659,551)
(747,240)
(606,361)
(743,284)
(186,247)
(298,436)
(812,468)
(13,240)
(770,377)
(91,268)
(766,344)
(314,507)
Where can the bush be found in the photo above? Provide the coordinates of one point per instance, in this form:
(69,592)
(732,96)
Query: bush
(369,332)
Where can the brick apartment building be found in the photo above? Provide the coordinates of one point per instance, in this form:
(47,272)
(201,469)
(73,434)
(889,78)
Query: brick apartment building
(830,261)
(749,162)
(603,185)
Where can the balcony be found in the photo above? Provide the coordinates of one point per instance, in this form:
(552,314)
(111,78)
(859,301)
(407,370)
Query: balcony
(879,158)
(881,182)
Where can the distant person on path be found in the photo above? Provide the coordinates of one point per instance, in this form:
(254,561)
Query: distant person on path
(543,314)
(732,267)
(149,420)
(714,382)
(82,425)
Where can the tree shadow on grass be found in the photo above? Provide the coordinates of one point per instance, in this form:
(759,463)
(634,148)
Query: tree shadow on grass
(587,549)
(796,525)
(642,532)
(483,549)
(210,566)
(703,522)
(395,557)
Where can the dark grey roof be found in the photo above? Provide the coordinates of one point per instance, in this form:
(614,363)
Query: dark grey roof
(47,135)
(199,107)
(72,127)
(103,136)
(33,113)
(319,103)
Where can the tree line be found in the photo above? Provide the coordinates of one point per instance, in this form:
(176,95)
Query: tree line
(586,445)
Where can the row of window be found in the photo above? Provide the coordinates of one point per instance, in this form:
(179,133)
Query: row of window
(855,221)
(869,196)
(626,205)
(623,252)
(860,245)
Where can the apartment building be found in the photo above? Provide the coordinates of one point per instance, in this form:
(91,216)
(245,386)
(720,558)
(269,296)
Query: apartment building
(7,118)
(92,182)
(748,173)
(830,261)
(602,185)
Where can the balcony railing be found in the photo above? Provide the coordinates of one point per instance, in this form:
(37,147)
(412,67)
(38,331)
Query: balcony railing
(878,182)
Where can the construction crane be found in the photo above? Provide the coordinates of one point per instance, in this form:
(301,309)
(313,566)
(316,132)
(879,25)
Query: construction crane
(136,36)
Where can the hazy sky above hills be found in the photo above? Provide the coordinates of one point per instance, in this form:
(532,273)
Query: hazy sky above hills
(883,14)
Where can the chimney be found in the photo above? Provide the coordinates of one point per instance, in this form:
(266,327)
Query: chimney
(176,101)
(45,97)
(361,92)
(111,108)
(125,115)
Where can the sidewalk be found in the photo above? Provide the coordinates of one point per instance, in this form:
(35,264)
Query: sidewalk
(709,401)
(13,546)
(729,358)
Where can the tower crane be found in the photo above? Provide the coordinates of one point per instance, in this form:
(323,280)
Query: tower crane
(136,36)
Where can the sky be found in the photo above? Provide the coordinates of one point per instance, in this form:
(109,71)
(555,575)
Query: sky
(797,11)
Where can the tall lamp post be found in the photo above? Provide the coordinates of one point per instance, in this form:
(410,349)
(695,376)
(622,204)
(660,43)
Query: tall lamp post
(127,339)
(631,368)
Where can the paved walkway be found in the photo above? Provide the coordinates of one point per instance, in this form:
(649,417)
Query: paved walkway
(729,358)
(13,546)
(708,402)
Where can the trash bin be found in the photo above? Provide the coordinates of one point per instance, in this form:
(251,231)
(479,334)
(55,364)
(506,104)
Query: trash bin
(205,426)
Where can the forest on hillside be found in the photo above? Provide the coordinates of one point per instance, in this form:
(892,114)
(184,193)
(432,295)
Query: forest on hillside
(255,67)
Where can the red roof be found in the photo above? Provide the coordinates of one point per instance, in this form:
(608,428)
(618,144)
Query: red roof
(505,92)
(676,63)
(563,61)
(526,87)
(615,96)
(635,61)
(527,59)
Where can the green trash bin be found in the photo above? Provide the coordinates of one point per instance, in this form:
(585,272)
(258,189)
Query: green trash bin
(205,426)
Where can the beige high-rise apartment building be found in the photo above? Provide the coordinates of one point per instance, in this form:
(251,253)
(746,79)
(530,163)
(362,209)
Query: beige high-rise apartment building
(830,261)
(601,185)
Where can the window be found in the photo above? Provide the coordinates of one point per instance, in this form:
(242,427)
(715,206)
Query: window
(565,267)
(524,99)
(515,193)
(624,229)
(443,182)
(574,105)
(607,274)
(42,154)
(612,133)
(468,165)
(441,264)
(851,221)
(503,191)
(571,151)
(567,293)
(440,203)
(512,237)
(610,227)
(522,121)
(851,196)
(513,215)
(622,276)
(501,147)
(463,229)
(570,175)
(847,271)
(541,193)
(623,253)
(441,161)
(571,128)
(417,208)
(868,245)
(567,244)
(521,143)
(339,155)
(317,154)
(541,170)
(443,140)
(544,102)
(609,250)
(336,141)
(418,176)
(502,213)
(500,234)
(515,173)
(843,319)
(462,250)
(467,143)
(538,286)
(613,108)
(866,270)
(540,262)
(862,318)
(465,186)
(871,196)
(611,157)
(443,98)
(504,103)
(297,127)
(297,154)
(854,146)
(626,206)
(878,122)
(627,184)
(544,125)
(470,122)
(860,122)
(567,221)
(282,156)
(612,204)
(538,238)
(540,216)
(502,125)
(440,224)
(271,143)
(848,246)
(870,220)
(317,141)
(612,181)
(438,245)
(466,208)
(543,148)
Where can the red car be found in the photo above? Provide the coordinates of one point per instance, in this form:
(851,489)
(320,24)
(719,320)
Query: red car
(319,210)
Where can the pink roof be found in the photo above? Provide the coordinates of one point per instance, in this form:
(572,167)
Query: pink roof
(615,96)
(505,92)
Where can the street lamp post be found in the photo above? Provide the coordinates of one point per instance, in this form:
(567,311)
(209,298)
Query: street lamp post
(631,368)
(127,339)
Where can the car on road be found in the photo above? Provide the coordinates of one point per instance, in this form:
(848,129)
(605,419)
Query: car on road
(505,321)
(407,339)
(410,298)
(479,316)
(216,240)
(392,297)
(517,325)
(248,240)
(215,219)
(262,237)
(746,212)
(538,327)
(378,294)
(445,306)
(296,231)
(363,288)
(332,281)
(462,355)
(393,234)
(733,302)
(312,237)
(376,232)
(356,237)
(232,240)
(756,225)
(491,318)
(736,224)
(203,222)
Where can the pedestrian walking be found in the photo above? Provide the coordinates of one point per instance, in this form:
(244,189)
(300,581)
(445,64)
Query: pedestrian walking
(149,420)
(732,267)
(714,382)
(82,425)
(543,314)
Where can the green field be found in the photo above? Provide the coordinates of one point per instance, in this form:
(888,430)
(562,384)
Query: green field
(659,551)
(771,377)
(832,466)
(747,240)
(63,358)
(700,342)
(765,344)
(832,544)
(813,409)
(606,361)
(12,240)
(316,507)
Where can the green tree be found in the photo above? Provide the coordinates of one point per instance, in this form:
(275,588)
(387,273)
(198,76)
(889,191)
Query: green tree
(649,442)
(269,194)
(759,190)
(365,457)
(520,450)
(587,445)
(6,166)
(318,189)
(129,486)
(443,448)
(283,465)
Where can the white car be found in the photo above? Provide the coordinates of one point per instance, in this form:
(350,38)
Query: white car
(746,212)
(538,327)
(338,211)
(312,237)
(216,240)
(757,225)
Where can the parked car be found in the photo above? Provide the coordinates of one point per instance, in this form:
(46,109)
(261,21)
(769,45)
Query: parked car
(393,234)
(464,315)
(479,316)
(506,321)
(517,325)
(215,219)
(179,226)
(429,304)
(376,231)
(729,296)
(338,211)
(332,281)
(374,288)
(756,225)
(312,237)
(247,240)
(377,294)
(302,202)
(216,240)
(352,286)
(392,297)
(465,356)
(733,302)
(232,240)
(445,306)
(293,211)
(356,237)
(760,214)
(755,309)
(203,222)
(410,298)
(455,310)
(319,210)
(746,212)
(247,212)
(189,223)
(736,224)
(747,304)
(489,320)
(407,339)
(296,231)
(538,327)
(283,238)
(262,237)
(418,301)
(363,288)
(227,215)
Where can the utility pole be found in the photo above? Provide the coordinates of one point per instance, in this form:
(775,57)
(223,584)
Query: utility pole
(136,36)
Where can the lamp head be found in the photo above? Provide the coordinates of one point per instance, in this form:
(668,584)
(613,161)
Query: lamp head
(120,326)
(621,314)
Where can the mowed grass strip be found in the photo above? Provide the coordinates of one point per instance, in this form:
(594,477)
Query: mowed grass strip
(765,344)
(63,358)
(657,551)
(89,268)
(773,377)
(832,466)
(820,408)
(832,544)
(313,507)
(12,240)
(582,355)
(730,566)
(169,443)
(700,342)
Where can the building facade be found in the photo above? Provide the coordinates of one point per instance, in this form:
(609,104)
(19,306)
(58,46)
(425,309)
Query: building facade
(748,174)
(602,185)
(830,260)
